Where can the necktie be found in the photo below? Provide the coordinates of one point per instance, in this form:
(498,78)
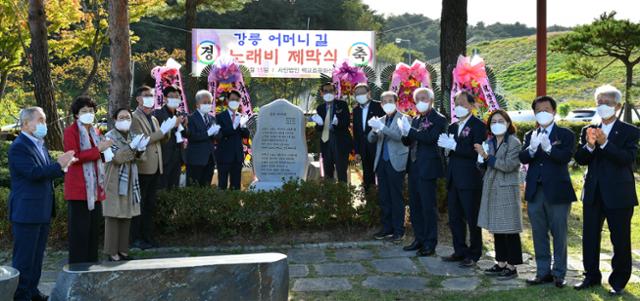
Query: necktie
(327,124)
(385,149)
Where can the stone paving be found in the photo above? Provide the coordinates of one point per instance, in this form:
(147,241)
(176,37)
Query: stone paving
(368,264)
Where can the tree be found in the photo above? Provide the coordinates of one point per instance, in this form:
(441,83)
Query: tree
(605,37)
(42,72)
(120,49)
(453,42)
(389,53)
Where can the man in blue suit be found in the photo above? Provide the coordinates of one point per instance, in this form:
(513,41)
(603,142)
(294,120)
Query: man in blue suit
(464,180)
(549,192)
(31,201)
(609,149)
(200,155)
(424,167)
(230,152)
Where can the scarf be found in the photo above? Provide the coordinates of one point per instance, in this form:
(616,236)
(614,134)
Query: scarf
(91,180)
(128,170)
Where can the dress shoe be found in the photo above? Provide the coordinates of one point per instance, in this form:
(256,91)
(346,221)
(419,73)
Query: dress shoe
(414,246)
(467,263)
(380,235)
(616,292)
(540,280)
(125,257)
(424,252)
(508,274)
(559,282)
(586,283)
(39,297)
(453,258)
(396,238)
(495,270)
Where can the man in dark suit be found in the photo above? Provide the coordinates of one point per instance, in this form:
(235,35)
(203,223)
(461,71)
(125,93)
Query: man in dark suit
(609,192)
(32,199)
(549,193)
(464,180)
(172,148)
(365,151)
(200,155)
(230,152)
(424,167)
(332,125)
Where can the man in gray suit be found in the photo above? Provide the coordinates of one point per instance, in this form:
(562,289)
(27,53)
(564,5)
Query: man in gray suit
(390,164)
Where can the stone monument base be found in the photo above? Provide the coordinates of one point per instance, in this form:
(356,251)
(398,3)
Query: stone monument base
(262,276)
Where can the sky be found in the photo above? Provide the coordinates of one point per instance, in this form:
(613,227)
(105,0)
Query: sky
(559,12)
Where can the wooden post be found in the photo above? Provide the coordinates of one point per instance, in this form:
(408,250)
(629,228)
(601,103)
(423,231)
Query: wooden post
(541,48)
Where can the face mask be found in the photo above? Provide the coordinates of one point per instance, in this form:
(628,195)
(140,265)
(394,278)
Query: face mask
(148,102)
(362,99)
(173,103)
(498,128)
(123,125)
(389,108)
(86,118)
(544,118)
(204,108)
(328,97)
(233,105)
(422,106)
(41,130)
(461,112)
(606,111)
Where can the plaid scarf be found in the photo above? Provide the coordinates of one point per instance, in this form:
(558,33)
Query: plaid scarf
(128,170)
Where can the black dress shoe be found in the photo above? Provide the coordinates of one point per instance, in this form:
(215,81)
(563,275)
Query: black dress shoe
(396,238)
(559,282)
(495,270)
(452,258)
(467,263)
(424,252)
(540,280)
(616,292)
(382,235)
(586,283)
(414,246)
(39,297)
(125,257)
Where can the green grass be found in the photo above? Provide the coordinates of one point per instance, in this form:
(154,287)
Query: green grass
(546,293)
(514,62)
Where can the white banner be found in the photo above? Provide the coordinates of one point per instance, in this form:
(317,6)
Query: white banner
(283,53)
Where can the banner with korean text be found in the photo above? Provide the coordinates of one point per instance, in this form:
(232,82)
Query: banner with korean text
(283,53)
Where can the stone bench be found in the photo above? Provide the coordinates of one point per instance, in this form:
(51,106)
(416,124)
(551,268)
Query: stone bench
(8,282)
(261,276)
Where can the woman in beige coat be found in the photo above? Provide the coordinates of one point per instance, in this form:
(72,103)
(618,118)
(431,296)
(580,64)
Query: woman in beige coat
(122,187)
(500,207)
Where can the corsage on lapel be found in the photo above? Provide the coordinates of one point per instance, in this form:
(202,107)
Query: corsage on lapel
(425,125)
(465,132)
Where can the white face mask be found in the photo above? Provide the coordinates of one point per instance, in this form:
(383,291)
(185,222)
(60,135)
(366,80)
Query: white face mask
(86,118)
(422,106)
(461,112)
(328,97)
(148,102)
(123,125)
(233,105)
(173,103)
(498,128)
(389,108)
(204,108)
(544,118)
(606,111)
(362,99)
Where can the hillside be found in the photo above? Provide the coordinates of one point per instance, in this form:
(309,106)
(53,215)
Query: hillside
(514,62)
